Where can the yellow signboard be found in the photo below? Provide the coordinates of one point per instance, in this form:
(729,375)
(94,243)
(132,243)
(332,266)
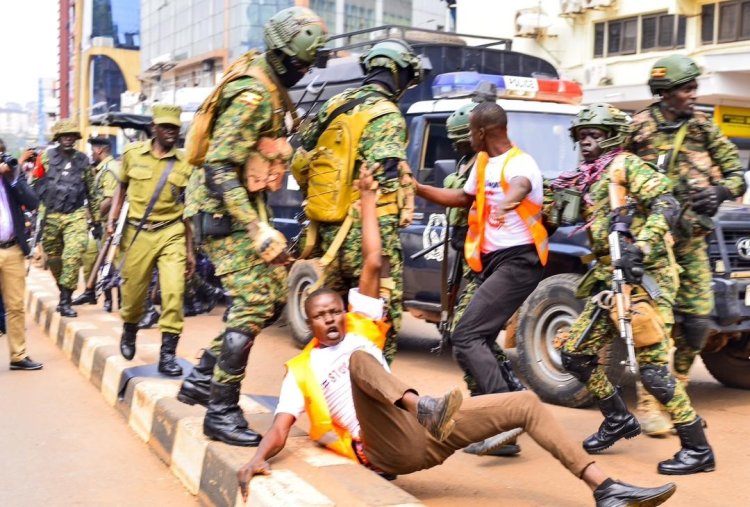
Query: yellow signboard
(733,121)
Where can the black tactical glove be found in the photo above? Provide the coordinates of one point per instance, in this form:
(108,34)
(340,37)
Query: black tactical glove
(631,263)
(96,230)
(621,223)
(708,200)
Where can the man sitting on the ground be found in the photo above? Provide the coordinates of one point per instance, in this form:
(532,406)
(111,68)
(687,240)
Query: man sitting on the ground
(361,411)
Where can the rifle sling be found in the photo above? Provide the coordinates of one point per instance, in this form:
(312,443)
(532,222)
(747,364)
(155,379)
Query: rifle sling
(149,209)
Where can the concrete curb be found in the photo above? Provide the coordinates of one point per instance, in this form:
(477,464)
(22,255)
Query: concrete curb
(303,474)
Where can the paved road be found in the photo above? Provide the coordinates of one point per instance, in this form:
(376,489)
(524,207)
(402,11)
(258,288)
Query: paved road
(531,479)
(62,445)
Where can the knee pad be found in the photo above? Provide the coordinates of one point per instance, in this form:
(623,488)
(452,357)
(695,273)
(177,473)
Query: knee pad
(235,349)
(695,329)
(659,382)
(580,366)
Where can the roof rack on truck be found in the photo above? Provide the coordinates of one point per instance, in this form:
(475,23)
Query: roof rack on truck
(441,52)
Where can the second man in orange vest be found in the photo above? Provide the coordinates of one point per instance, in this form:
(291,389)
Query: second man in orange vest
(506,244)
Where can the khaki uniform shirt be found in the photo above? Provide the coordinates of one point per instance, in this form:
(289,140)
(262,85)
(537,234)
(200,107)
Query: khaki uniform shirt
(142,170)
(106,179)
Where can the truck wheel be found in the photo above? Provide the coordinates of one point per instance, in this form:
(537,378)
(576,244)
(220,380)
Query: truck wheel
(731,365)
(303,274)
(551,307)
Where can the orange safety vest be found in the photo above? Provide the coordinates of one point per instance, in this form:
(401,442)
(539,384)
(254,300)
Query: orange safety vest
(323,429)
(529,212)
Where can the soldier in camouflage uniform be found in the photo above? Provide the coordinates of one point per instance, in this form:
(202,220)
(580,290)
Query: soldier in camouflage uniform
(391,67)
(106,179)
(642,221)
(704,168)
(64,180)
(234,221)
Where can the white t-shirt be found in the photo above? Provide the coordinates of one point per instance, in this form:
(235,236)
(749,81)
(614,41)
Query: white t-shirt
(330,365)
(514,231)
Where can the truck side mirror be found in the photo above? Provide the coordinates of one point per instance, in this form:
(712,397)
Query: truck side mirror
(442,169)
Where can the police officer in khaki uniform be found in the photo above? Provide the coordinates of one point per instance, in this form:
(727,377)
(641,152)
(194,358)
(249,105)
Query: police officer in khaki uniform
(106,178)
(163,241)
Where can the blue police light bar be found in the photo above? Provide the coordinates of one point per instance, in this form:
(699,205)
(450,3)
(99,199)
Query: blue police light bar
(464,83)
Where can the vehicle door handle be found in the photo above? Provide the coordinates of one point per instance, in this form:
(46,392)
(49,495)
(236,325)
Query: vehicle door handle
(417,216)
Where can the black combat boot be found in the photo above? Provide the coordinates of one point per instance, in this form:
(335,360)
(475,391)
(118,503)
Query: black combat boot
(64,307)
(514,383)
(88,297)
(150,317)
(167,360)
(108,300)
(224,420)
(196,388)
(695,456)
(127,340)
(618,423)
(612,493)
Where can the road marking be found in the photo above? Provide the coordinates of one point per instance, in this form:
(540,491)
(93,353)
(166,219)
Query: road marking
(283,488)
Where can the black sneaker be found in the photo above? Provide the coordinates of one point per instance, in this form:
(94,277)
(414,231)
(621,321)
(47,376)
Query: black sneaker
(613,493)
(25,364)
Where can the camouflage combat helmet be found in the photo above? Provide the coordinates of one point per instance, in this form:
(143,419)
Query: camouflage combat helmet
(605,117)
(457,125)
(395,55)
(672,71)
(65,126)
(296,31)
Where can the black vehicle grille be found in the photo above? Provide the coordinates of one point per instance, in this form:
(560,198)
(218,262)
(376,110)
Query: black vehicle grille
(731,237)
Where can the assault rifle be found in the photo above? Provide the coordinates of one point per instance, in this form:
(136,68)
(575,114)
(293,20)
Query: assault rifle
(36,235)
(621,291)
(102,277)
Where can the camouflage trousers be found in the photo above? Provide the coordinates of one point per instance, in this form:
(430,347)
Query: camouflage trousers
(258,292)
(463,301)
(605,331)
(694,296)
(343,272)
(64,241)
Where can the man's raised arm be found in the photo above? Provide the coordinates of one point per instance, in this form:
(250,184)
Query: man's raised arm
(369,279)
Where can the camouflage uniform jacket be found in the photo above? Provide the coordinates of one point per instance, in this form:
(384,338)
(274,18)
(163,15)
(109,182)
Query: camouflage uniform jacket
(459,217)
(705,158)
(384,137)
(106,179)
(245,114)
(644,185)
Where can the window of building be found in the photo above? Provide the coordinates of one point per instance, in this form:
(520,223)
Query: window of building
(730,25)
(655,31)
(118,20)
(599,29)
(107,83)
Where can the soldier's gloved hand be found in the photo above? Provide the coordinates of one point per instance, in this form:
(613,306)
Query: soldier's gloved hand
(621,223)
(631,263)
(96,230)
(708,200)
(269,243)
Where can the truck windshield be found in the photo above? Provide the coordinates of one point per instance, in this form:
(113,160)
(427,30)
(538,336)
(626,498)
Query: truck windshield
(545,137)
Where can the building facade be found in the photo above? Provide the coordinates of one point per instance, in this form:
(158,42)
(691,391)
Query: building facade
(188,43)
(609,46)
(98,56)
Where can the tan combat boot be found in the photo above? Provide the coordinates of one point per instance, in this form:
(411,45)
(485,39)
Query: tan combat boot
(653,422)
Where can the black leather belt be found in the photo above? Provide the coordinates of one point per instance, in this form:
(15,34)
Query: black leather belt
(153,226)
(9,243)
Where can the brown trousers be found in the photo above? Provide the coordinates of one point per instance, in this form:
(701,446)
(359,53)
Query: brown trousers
(13,282)
(396,443)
